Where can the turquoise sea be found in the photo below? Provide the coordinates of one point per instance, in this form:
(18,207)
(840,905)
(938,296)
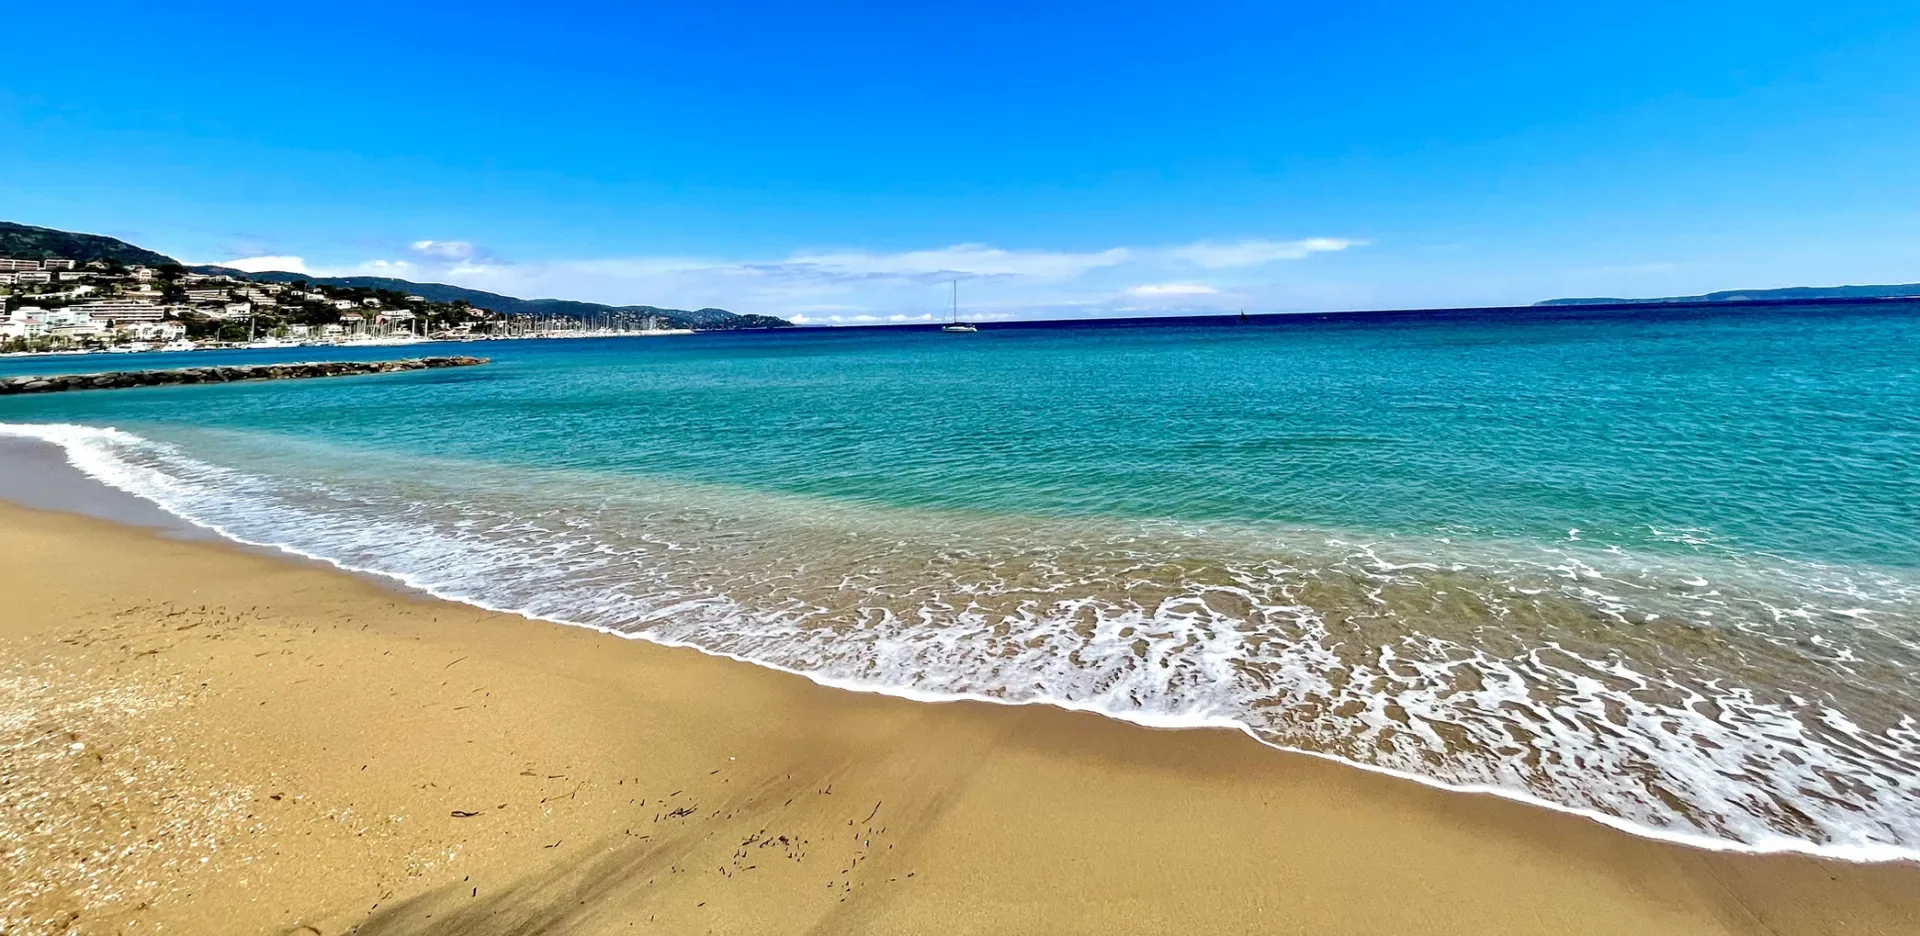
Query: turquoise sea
(1659,567)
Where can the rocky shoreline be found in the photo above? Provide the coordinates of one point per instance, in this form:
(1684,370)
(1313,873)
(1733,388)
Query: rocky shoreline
(116,380)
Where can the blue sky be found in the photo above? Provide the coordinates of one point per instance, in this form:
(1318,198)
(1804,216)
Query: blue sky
(840,163)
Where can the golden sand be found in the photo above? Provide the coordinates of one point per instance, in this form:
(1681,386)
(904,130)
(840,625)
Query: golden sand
(202,739)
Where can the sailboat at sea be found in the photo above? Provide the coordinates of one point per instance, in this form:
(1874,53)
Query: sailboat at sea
(955,325)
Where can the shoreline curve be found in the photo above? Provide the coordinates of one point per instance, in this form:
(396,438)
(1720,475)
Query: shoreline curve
(1868,853)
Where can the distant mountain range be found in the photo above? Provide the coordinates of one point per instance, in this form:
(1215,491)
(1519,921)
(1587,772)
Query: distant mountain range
(1789,294)
(26,242)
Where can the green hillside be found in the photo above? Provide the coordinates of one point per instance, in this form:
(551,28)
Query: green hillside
(710,319)
(26,242)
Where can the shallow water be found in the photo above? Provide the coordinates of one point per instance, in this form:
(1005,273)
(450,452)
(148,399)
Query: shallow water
(1661,567)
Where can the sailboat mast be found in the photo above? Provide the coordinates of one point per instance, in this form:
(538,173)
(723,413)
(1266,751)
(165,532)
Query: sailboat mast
(954,324)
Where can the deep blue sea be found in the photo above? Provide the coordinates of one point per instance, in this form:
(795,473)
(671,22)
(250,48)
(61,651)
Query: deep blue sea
(1658,567)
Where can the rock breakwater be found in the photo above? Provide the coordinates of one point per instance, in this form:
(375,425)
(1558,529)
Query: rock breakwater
(117,380)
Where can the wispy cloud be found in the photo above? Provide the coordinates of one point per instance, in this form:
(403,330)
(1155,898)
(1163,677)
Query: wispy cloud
(443,250)
(1160,290)
(1250,253)
(960,260)
(852,286)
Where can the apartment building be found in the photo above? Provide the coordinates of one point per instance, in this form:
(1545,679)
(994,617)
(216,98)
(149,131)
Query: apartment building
(68,323)
(123,310)
(24,322)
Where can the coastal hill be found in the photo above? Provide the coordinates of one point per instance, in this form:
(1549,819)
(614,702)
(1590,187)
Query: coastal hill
(1788,294)
(27,242)
(508,305)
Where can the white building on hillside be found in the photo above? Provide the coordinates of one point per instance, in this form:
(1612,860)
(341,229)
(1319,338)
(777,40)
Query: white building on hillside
(68,323)
(155,331)
(123,310)
(24,322)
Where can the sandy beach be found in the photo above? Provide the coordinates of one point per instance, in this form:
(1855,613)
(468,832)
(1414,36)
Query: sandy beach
(204,739)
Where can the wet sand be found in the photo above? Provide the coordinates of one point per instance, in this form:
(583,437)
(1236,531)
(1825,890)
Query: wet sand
(199,738)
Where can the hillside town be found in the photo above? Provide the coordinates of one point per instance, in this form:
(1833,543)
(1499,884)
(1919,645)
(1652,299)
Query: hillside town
(62,305)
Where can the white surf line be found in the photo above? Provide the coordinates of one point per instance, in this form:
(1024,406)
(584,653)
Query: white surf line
(1859,853)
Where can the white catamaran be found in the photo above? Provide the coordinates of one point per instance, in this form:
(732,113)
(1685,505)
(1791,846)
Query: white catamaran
(956,325)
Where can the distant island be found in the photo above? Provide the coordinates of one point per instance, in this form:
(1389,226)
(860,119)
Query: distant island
(1788,294)
(64,290)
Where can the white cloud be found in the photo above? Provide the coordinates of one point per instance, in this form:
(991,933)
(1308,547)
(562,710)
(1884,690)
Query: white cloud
(444,250)
(1249,253)
(849,286)
(267,264)
(377,268)
(1163,290)
(960,260)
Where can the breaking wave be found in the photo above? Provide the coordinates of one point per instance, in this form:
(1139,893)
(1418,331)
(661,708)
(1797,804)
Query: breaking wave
(1706,696)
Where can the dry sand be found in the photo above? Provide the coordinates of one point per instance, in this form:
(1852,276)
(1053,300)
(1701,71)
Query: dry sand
(201,739)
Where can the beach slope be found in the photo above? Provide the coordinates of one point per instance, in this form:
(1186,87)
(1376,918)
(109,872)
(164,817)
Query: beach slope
(200,738)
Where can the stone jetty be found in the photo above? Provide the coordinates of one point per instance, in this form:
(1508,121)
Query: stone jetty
(116,380)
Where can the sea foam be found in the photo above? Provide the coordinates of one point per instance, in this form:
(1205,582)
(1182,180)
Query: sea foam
(1672,699)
